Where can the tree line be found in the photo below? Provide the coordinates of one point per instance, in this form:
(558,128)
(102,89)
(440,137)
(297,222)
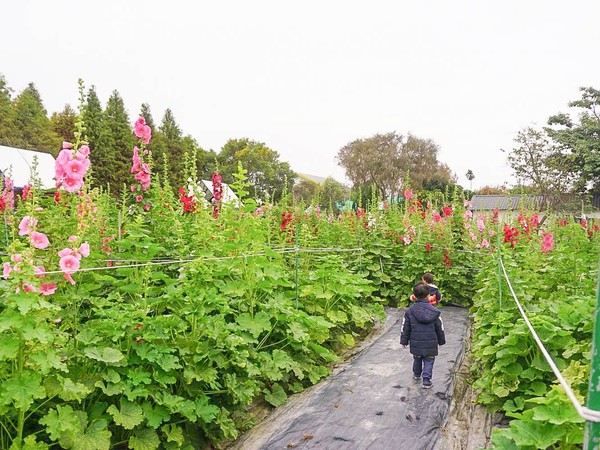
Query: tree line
(381,165)
(562,157)
(25,123)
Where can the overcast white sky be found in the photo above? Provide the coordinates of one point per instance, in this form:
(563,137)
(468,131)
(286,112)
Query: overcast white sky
(308,77)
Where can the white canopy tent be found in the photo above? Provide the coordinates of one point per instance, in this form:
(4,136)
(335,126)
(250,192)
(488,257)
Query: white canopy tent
(18,164)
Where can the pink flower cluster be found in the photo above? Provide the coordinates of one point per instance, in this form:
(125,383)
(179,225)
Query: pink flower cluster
(27,228)
(71,166)
(547,242)
(70,259)
(142,131)
(7,200)
(139,168)
(217,181)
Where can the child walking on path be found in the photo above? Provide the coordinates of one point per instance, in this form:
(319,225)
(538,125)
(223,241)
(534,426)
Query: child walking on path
(434,295)
(423,328)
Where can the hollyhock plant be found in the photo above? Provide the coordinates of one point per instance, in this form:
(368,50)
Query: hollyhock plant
(408,194)
(547,242)
(217,181)
(26,225)
(48,289)
(142,131)
(7,201)
(71,167)
(39,240)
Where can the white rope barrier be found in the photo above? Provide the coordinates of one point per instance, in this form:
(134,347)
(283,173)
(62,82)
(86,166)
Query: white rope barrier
(586,413)
(199,259)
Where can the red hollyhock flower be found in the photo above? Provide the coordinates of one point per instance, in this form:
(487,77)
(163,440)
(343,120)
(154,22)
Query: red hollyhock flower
(428,246)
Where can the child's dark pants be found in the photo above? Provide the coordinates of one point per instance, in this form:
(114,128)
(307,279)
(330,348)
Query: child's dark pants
(423,366)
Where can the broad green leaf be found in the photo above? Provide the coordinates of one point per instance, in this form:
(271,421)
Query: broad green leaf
(30,443)
(22,390)
(155,416)
(61,422)
(95,437)
(276,396)
(254,325)
(173,433)
(104,354)
(74,391)
(540,435)
(129,416)
(9,346)
(144,439)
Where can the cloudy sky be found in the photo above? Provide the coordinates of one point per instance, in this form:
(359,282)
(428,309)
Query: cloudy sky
(307,77)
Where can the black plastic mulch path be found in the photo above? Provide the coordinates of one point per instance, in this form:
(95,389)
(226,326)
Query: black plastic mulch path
(370,402)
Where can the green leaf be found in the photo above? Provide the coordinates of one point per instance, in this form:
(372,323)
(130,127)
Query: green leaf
(144,439)
(95,437)
(276,396)
(9,347)
(74,391)
(129,416)
(540,435)
(60,422)
(254,325)
(155,416)
(30,443)
(173,433)
(22,390)
(104,354)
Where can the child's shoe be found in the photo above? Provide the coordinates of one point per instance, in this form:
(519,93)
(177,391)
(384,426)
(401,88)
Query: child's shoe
(427,384)
(416,377)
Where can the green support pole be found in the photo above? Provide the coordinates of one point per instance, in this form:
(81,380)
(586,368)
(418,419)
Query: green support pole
(592,429)
(499,268)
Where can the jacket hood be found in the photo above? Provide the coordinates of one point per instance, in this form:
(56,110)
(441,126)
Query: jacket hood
(424,312)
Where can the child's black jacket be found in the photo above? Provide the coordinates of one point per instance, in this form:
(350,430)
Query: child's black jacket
(422,327)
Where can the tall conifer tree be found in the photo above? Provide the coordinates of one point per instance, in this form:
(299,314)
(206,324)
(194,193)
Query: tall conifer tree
(112,156)
(9,133)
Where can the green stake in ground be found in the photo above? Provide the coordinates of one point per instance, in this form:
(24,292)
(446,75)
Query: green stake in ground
(592,429)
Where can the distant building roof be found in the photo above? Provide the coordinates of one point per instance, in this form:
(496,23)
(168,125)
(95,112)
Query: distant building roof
(505,203)
(313,178)
(18,164)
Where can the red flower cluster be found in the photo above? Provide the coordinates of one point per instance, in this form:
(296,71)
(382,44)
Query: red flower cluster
(217,181)
(286,218)
(528,224)
(189,205)
(447,211)
(446,261)
(511,235)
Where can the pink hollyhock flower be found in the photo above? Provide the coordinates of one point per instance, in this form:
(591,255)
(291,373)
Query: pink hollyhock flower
(39,271)
(436,217)
(66,145)
(39,240)
(133,188)
(69,264)
(447,211)
(83,152)
(259,211)
(72,184)
(7,270)
(72,238)
(485,243)
(137,162)
(75,169)
(547,242)
(26,191)
(467,215)
(27,287)
(139,198)
(69,278)
(142,131)
(17,258)
(468,204)
(84,249)
(65,252)
(480,224)
(48,289)
(408,194)
(26,224)
(58,320)
(147,207)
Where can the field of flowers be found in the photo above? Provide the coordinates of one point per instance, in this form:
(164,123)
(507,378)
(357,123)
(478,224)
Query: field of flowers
(157,320)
